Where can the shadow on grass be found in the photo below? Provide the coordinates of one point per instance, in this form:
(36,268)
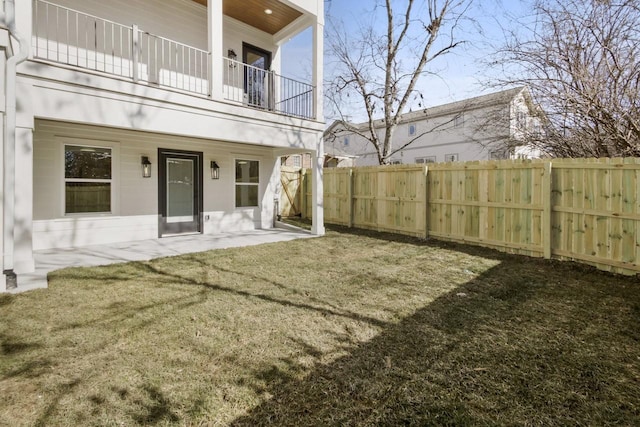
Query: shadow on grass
(529,342)
(526,342)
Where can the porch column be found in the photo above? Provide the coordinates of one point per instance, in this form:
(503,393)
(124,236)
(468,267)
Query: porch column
(24,20)
(23,226)
(216,48)
(317,225)
(318,49)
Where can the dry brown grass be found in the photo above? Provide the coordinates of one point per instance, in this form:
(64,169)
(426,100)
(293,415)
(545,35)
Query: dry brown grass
(349,329)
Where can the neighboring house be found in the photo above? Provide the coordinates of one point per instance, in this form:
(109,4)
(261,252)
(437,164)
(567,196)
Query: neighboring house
(303,161)
(335,157)
(486,127)
(139,119)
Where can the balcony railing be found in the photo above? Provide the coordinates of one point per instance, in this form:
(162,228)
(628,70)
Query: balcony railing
(267,90)
(78,39)
(82,40)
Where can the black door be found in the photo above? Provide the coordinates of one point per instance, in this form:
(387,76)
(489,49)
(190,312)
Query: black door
(180,191)
(258,80)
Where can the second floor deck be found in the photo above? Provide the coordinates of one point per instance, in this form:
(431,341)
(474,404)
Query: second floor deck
(91,37)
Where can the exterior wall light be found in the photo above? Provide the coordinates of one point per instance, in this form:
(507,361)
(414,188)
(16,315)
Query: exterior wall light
(231,54)
(215,170)
(146,167)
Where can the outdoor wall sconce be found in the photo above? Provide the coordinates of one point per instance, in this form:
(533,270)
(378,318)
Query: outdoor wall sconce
(231,54)
(215,170)
(146,167)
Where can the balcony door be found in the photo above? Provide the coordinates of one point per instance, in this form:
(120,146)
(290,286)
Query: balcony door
(258,81)
(180,192)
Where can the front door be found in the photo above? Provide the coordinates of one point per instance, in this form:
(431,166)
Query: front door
(180,191)
(257,77)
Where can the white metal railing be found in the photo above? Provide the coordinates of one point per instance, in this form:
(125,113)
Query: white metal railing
(75,38)
(265,89)
(169,63)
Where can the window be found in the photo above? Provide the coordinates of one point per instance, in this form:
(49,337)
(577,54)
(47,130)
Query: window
(451,157)
(497,155)
(297,161)
(396,162)
(428,159)
(345,141)
(247,183)
(537,130)
(412,129)
(521,119)
(87,179)
(458,121)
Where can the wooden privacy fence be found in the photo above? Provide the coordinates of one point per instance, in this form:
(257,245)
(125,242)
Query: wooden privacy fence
(586,210)
(292,195)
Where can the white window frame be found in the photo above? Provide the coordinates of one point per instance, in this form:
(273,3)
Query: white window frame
(425,159)
(114,181)
(297,161)
(458,121)
(235,183)
(414,127)
(451,157)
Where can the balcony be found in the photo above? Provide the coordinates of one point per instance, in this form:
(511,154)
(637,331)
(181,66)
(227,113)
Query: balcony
(81,40)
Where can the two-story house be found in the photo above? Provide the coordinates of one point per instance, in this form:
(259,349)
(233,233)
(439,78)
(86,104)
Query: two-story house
(493,126)
(137,119)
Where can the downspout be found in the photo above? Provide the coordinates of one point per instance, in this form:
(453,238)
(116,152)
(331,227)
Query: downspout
(9,180)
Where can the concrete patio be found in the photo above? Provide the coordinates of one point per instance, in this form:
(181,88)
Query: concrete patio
(144,250)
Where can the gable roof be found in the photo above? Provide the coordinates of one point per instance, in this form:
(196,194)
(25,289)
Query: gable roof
(332,151)
(491,99)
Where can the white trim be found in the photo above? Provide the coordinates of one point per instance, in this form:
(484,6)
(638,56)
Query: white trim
(425,159)
(235,183)
(62,180)
(452,157)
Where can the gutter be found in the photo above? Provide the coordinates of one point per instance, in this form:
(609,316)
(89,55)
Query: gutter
(9,181)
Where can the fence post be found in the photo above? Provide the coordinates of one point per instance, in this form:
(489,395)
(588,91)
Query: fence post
(135,53)
(350,197)
(546,210)
(426,202)
(303,193)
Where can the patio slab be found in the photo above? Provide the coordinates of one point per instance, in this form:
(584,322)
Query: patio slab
(144,250)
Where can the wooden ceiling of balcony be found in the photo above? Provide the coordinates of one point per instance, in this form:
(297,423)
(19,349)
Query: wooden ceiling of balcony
(251,12)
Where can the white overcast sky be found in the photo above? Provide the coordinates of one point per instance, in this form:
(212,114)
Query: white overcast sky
(460,74)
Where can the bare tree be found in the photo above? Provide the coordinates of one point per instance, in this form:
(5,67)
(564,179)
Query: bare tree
(581,60)
(377,73)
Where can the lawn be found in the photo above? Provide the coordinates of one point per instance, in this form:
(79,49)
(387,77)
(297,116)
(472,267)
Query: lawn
(349,329)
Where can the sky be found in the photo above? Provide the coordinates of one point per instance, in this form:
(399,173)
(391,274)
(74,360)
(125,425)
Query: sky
(460,74)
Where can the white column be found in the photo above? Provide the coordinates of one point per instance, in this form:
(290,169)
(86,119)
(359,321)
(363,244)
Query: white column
(318,49)
(24,20)
(216,48)
(317,225)
(23,227)
(3,285)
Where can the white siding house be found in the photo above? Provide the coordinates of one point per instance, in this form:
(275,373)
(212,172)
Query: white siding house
(481,128)
(139,119)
